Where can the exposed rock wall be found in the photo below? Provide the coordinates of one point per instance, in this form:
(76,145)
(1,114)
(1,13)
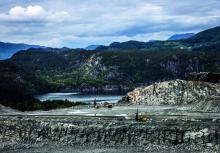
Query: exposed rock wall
(210,104)
(175,92)
(94,68)
(103,132)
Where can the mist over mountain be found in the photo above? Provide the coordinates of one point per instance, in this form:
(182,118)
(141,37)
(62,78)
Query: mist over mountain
(8,49)
(181,36)
(92,47)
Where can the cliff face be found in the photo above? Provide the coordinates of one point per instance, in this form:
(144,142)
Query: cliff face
(176,92)
(78,69)
(95,132)
(96,69)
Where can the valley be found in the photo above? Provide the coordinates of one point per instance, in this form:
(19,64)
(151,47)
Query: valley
(159,96)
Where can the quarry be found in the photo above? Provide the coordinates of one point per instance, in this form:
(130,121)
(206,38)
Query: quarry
(165,117)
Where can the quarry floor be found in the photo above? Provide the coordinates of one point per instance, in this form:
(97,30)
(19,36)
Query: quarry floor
(30,148)
(122,111)
(156,115)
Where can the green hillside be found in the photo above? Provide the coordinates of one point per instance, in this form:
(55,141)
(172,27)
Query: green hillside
(117,68)
(208,40)
(81,69)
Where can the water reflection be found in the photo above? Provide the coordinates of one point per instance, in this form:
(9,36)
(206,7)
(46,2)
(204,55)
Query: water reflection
(78,97)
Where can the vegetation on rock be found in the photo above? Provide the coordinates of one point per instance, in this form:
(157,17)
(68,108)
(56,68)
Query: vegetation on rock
(118,67)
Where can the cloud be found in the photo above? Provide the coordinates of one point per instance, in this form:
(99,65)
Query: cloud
(75,23)
(32,13)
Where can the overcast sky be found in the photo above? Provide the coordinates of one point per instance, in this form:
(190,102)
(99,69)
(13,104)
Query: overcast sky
(78,23)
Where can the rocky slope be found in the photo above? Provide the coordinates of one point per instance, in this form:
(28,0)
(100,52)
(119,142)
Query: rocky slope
(122,66)
(175,92)
(106,132)
(96,70)
(210,104)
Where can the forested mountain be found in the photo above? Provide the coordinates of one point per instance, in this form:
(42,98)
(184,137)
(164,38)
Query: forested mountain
(84,70)
(208,40)
(118,67)
(121,66)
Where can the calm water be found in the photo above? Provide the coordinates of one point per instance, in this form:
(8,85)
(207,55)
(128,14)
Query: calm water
(77,97)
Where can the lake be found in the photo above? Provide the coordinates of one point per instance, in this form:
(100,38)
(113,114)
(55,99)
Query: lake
(78,97)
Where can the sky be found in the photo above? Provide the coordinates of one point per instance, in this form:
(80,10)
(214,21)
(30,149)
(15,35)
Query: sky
(79,23)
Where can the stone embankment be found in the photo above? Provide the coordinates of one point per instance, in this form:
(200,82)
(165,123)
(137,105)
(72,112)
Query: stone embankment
(107,132)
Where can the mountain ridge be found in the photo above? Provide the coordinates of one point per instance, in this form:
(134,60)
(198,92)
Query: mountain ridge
(42,70)
(208,39)
(8,49)
(181,36)
(92,47)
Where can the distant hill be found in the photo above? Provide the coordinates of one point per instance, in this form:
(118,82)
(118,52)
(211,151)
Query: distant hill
(181,36)
(208,36)
(91,47)
(208,40)
(123,64)
(119,67)
(132,44)
(8,49)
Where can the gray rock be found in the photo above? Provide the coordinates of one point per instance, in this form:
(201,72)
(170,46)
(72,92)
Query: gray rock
(175,92)
(102,132)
